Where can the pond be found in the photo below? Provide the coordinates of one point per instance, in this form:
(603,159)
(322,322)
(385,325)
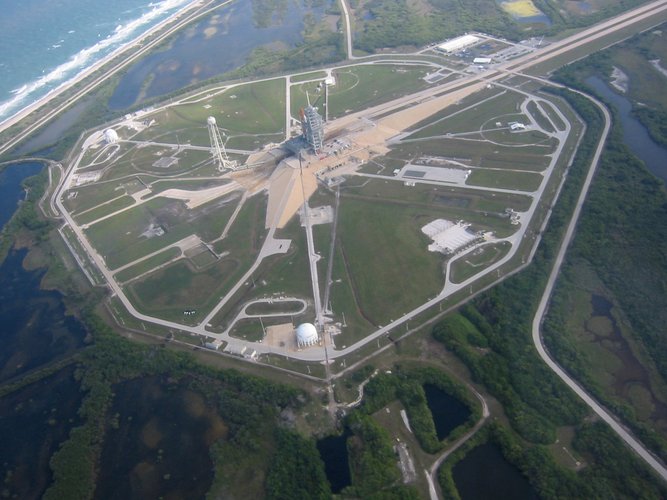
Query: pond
(447,411)
(216,45)
(333,450)
(34,421)
(630,376)
(158,445)
(11,192)
(485,473)
(635,135)
(35,327)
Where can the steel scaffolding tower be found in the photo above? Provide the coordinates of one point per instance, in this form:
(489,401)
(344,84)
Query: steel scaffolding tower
(218,146)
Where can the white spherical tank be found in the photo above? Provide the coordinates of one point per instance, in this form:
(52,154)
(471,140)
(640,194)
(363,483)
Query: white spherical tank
(211,120)
(306,335)
(110,136)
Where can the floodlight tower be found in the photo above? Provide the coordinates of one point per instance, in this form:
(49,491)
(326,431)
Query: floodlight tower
(218,147)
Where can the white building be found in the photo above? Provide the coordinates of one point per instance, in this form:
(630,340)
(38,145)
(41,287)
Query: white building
(448,237)
(110,136)
(306,335)
(481,60)
(458,43)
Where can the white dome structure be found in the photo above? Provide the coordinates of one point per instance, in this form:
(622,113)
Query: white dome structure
(211,120)
(306,335)
(110,136)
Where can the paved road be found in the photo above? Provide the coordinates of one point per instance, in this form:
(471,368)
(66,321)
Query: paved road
(348,30)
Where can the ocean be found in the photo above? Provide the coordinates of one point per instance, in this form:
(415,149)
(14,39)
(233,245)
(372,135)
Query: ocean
(46,43)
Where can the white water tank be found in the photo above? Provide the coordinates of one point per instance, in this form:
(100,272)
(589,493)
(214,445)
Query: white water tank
(306,335)
(110,136)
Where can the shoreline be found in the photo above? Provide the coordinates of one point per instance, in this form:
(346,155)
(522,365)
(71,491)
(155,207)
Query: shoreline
(83,74)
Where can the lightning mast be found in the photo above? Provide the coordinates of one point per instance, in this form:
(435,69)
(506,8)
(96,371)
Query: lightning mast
(218,146)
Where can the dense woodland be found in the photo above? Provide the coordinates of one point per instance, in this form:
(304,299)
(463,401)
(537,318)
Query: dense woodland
(249,407)
(406,383)
(622,235)
(396,23)
(375,474)
(492,335)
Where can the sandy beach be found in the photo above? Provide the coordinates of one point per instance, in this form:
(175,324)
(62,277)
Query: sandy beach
(17,117)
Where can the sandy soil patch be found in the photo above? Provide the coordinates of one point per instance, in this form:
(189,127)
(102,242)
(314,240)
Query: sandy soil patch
(282,336)
(193,199)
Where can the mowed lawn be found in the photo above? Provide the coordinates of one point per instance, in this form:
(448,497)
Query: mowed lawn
(178,287)
(253,108)
(358,88)
(386,254)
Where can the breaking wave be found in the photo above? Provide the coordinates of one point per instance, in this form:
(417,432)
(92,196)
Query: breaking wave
(53,79)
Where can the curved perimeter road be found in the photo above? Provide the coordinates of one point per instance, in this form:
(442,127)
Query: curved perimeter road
(616,426)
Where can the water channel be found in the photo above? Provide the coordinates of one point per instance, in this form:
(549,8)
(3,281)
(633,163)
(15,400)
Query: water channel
(635,135)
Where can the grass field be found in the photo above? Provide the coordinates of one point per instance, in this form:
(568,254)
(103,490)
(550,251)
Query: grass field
(104,209)
(476,115)
(178,287)
(253,108)
(521,181)
(485,210)
(248,329)
(288,273)
(283,307)
(357,88)
(475,262)
(553,116)
(148,264)
(91,195)
(345,303)
(315,75)
(482,154)
(539,117)
(392,272)
(120,238)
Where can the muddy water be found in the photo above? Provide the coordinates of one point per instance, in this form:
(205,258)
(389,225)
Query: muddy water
(34,421)
(158,446)
(632,373)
